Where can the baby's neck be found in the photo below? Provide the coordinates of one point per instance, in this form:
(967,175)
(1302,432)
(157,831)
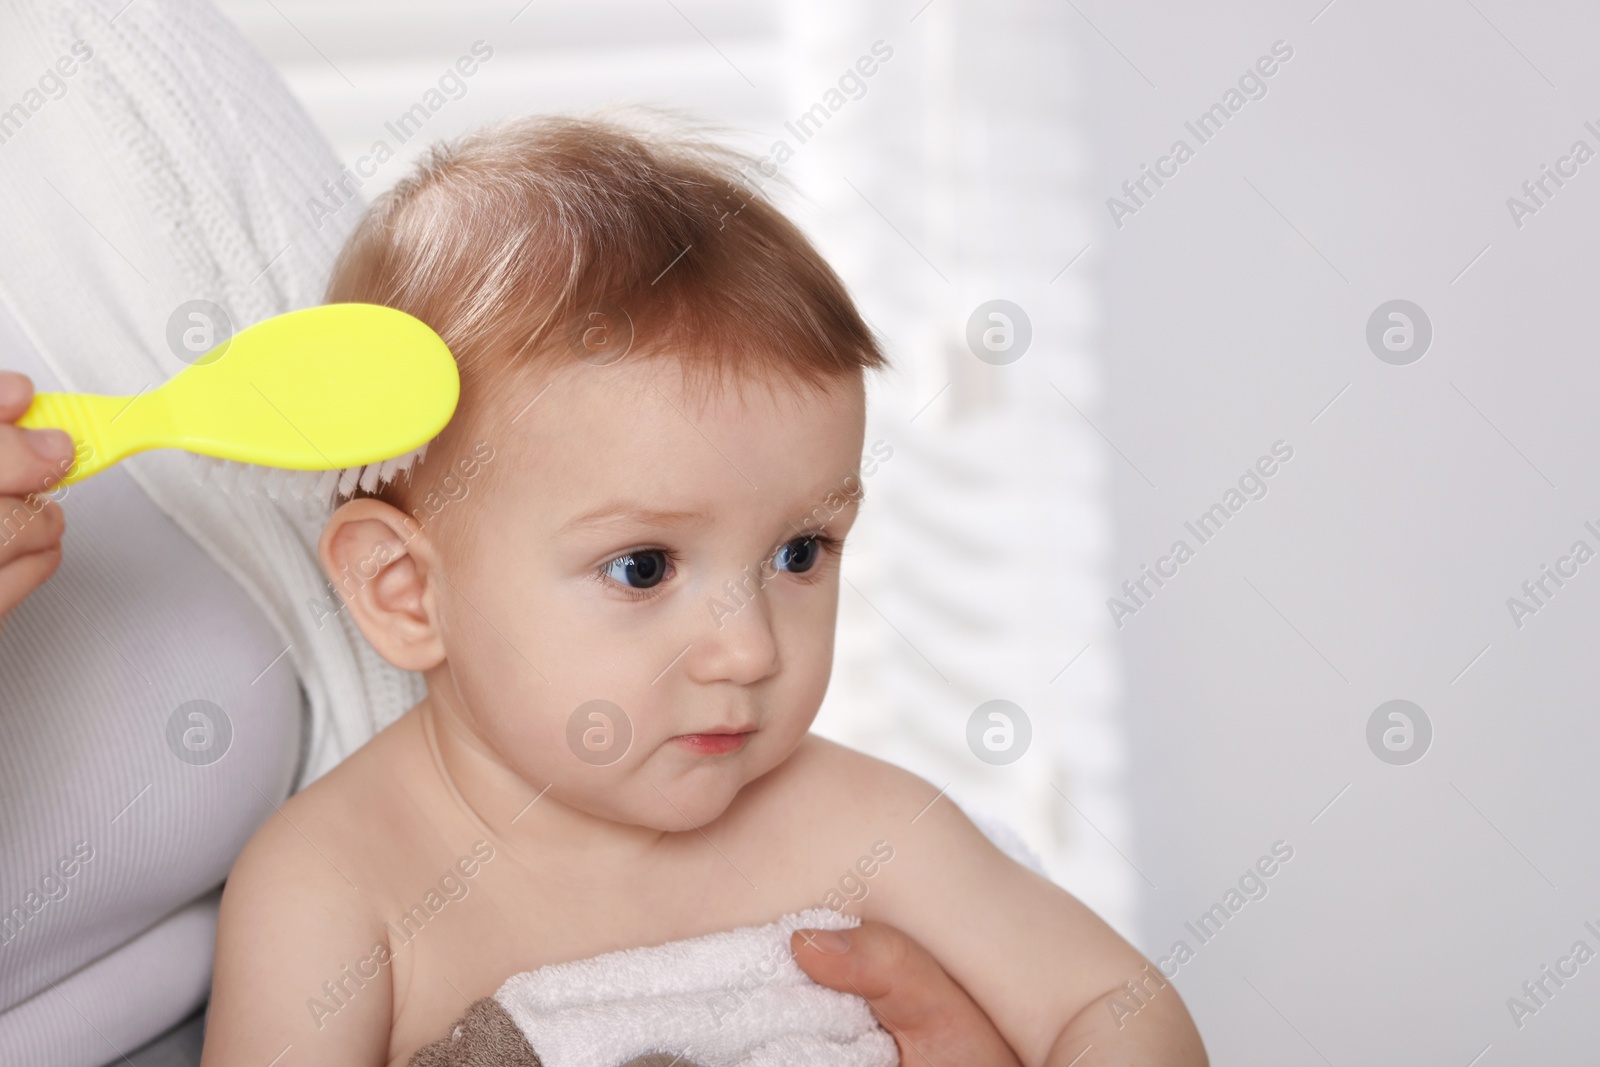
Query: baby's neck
(530,819)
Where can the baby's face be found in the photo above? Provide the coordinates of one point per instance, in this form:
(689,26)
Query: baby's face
(644,563)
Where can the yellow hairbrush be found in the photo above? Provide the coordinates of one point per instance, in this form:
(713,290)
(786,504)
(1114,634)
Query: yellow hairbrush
(334,388)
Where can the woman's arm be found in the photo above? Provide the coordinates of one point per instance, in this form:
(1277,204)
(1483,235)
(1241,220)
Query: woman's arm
(1058,983)
(936,1024)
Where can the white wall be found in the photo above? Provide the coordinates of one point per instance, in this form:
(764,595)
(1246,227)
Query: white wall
(1380,563)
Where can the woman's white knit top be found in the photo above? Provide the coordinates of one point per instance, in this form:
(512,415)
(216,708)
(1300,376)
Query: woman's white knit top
(170,165)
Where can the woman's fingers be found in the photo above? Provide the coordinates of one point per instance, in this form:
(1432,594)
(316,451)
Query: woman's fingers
(33,461)
(24,574)
(932,1018)
(29,525)
(30,546)
(16,393)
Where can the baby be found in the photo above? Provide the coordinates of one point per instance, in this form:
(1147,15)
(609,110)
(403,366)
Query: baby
(618,570)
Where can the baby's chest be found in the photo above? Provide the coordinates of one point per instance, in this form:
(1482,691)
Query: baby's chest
(510,921)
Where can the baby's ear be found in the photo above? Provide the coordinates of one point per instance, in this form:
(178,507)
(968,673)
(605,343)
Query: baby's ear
(378,559)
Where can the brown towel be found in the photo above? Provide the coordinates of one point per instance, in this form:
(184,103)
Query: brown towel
(484,1037)
(487,1037)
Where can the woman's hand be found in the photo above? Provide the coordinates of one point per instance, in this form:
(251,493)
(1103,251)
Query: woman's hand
(932,1019)
(31,461)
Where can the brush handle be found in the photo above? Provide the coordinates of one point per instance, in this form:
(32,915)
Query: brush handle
(104,429)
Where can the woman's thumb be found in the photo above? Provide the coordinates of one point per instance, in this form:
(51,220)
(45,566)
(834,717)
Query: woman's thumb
(873,961)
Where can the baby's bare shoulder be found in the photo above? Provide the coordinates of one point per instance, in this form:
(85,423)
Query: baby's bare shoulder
(341,831)
(304,902)
(833,782)
(827,811)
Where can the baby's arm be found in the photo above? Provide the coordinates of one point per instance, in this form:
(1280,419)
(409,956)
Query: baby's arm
(289,923)
(1042,965)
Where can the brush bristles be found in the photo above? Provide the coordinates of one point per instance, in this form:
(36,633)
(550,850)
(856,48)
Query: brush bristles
(327,482)
(371,477)
(313,491)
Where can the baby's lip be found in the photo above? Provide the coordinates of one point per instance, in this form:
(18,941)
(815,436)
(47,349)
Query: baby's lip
(718,730)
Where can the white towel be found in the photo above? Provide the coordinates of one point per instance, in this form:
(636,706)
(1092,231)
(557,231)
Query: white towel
(730,999)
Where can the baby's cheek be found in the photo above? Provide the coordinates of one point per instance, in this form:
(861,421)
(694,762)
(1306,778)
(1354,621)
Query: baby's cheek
(810,655)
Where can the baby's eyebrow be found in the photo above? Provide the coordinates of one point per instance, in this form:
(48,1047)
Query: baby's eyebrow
(623,511)
(619,511)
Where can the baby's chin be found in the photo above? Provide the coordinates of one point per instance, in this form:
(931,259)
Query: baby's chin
(669,807)
(677,791)
(681,794)
(673,789)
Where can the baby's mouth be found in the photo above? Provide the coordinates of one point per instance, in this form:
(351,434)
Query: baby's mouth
(715,743)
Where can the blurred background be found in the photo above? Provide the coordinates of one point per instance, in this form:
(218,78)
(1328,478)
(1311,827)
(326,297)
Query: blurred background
(1178,337)
(954,174)
(1241,416)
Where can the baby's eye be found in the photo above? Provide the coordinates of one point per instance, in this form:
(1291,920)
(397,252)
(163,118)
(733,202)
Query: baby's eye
(799,555)
(638,570)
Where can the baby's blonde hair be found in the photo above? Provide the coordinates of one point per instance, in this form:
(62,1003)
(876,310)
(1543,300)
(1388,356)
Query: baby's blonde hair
(564,239)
